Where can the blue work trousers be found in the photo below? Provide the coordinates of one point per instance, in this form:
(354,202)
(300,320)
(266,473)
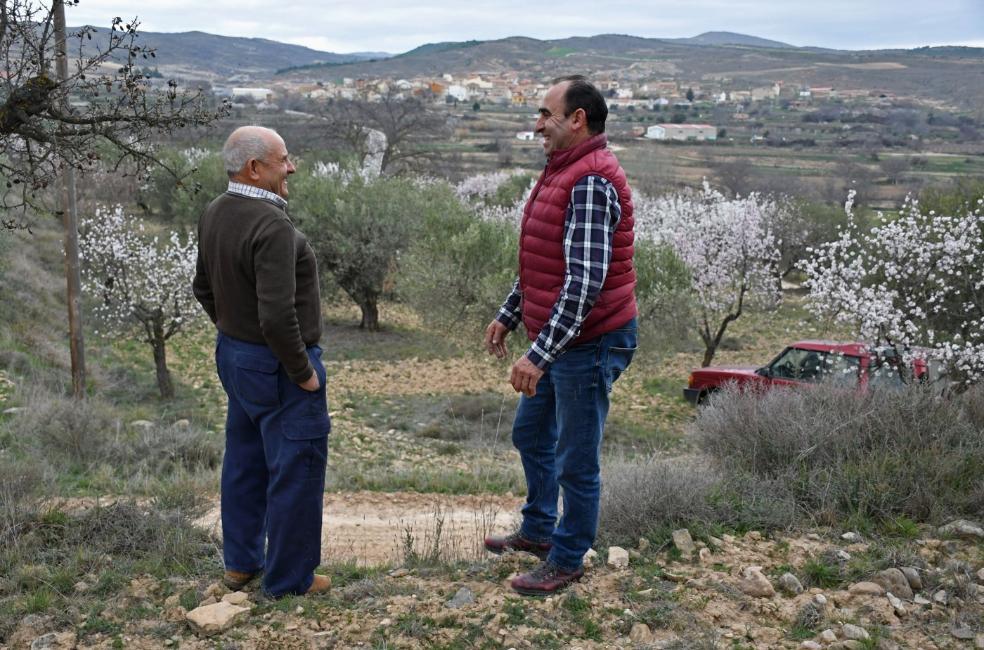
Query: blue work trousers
(273,472)
(558,434)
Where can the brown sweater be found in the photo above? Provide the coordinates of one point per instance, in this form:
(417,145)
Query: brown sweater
(258,279)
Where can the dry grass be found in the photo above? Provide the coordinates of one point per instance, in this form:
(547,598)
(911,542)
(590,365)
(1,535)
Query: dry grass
(847,455)
(651,498)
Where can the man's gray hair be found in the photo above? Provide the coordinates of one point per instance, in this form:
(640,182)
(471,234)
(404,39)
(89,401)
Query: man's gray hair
(244,144)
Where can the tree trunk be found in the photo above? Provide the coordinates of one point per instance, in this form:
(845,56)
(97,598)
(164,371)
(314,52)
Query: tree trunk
(709,350)
(160,361)
(370,314)
(70,221)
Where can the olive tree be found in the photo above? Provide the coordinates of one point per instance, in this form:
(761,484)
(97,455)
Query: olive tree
(462,262)
(360,226)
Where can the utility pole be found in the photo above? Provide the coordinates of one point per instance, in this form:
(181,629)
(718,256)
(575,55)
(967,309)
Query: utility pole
(70,220)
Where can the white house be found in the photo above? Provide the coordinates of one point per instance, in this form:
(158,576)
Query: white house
(682,132)
(256,94)
(458,92)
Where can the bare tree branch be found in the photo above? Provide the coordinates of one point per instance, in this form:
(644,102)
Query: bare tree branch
(408,123)
(90,109)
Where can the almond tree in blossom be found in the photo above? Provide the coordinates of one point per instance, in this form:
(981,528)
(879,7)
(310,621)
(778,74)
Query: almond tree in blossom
(141,284)
(728,247)
(913,285)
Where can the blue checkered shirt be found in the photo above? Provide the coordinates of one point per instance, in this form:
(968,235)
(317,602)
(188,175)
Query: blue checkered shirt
(592,217)
(253,192)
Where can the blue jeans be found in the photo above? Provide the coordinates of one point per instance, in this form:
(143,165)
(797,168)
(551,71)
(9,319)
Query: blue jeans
(273,471)
(558,434)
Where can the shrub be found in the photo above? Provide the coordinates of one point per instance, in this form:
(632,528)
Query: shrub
(875,455)
(56,548)
(69,435)
(64,431)
(459,270)
(651,498)
(203,177)
(663,291)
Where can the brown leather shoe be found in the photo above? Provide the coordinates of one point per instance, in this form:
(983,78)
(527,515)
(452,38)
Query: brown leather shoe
(546,579)
(236,580)
(516,542)
(320,585)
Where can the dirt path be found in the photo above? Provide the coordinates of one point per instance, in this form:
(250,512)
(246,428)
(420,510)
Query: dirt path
(378,527)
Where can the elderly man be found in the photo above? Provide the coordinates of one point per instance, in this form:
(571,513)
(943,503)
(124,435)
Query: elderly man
(258,280)
(576,297)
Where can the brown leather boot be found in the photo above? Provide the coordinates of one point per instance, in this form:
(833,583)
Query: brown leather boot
(236,580)
(516,542)
(320,585)
(546,579)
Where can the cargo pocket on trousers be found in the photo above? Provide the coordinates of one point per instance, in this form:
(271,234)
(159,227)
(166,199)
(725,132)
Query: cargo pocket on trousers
(307,427)
(256,379)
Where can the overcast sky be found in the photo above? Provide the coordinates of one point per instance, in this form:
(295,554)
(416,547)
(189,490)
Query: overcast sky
(391,26)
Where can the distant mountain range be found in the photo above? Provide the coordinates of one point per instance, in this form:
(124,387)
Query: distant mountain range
(728,38)
(199,54)
(950,75)
(953,75)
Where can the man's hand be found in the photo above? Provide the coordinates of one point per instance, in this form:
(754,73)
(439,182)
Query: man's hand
(312,384)
(495,339)
(524,377)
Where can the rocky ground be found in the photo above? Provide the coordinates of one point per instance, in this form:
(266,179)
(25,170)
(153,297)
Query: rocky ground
(820,589)
(409,571)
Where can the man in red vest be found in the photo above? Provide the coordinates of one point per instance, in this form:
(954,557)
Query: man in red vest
(575,295)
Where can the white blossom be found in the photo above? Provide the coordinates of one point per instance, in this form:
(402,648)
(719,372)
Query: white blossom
(194,155)
(726,244)
(914,284)
(139,283)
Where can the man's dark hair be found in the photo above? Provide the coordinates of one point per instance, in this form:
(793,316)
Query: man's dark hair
(581,93)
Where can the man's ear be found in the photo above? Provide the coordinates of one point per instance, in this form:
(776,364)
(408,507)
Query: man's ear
(251,171)
(579,119)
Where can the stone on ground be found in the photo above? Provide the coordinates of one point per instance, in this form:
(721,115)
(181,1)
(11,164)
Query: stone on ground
(641,634)
(854,632)
(462,597)
(215,618)
(590,557)
(963,529)
(912,575)
(618,557)
(894,580)
(755,584)
(55,641)
(684,542)
(790,584)
(236,598)
(866,589)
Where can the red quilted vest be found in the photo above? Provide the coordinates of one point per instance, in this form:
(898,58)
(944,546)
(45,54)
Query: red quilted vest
(541,252)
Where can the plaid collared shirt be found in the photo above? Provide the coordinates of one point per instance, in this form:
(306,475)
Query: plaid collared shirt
(592,217)
(253,192)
